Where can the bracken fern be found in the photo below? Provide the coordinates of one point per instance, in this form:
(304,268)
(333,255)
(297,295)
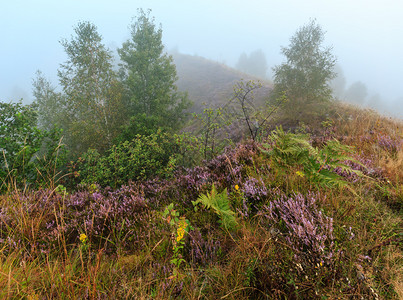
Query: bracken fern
(294,150)
(220,204)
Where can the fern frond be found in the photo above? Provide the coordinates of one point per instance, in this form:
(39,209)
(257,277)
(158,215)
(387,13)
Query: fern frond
(295,150)
(220,204)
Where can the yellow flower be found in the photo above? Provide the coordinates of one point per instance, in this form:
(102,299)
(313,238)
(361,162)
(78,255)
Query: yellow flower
(237,187)
(180,232)
(300,174)
(83,237)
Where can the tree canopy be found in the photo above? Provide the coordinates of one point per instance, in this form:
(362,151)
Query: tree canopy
(99,106)
(306,74)
(149,75)
(92,100)
(48,101)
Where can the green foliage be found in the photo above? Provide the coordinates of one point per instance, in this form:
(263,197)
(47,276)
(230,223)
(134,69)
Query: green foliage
(141,158)
(190,151)
(140,124)
(92,106)
(149,75)
(49,103)
(96,107)
(171,215)
(181,226)
(20,140)
(26,152)
(288,150)
(211,121)
(306,74)
(50,161)
(220,204)
(250,272)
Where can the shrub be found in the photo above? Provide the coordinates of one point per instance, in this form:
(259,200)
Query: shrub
(28,155)
(142,158)
(307,230)
(114,220)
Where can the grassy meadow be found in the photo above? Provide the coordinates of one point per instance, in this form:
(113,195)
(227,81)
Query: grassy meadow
(291,216)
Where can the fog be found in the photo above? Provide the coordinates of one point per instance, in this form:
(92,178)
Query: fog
(365,35)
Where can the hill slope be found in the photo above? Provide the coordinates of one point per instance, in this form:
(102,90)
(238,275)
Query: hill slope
(210,83)
(295,216)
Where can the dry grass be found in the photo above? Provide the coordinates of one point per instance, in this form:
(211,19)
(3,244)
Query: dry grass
(393,166)
(367,131)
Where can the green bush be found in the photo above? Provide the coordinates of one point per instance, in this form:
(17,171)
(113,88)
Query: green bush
(141,158)
(28,155)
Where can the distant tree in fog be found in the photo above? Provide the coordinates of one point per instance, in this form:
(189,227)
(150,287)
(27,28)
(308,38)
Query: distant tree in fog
(375,101)
(357,93)
(242,64)
(397,107)
(258,63)
(338,84)
(255,64)
(305,76)
(49,103)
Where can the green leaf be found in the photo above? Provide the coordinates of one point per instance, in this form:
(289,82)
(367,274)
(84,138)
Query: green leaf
(220,204)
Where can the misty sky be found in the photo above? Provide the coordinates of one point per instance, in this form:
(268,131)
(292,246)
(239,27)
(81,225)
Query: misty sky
(366,35)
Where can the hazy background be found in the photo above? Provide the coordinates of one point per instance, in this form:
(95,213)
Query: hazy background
(366,35)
